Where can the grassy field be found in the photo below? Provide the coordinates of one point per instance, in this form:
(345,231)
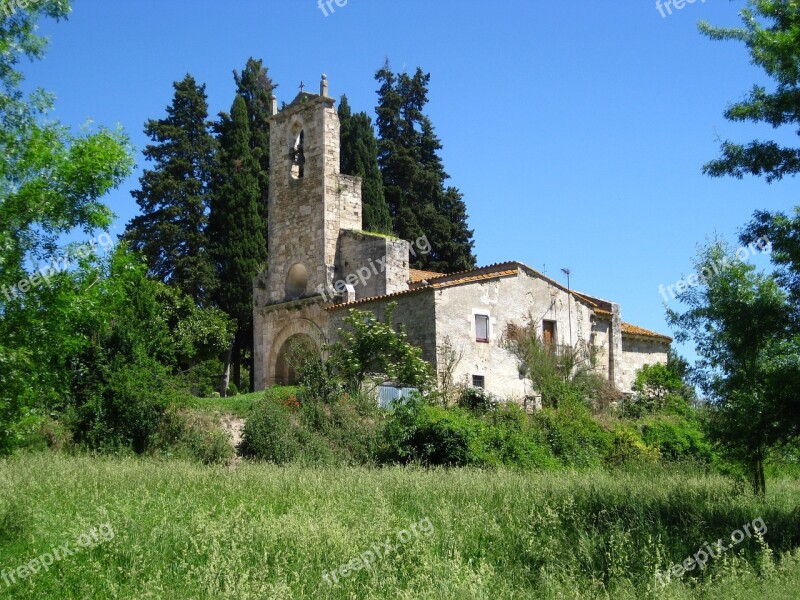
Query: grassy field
(238,406)
(260,531)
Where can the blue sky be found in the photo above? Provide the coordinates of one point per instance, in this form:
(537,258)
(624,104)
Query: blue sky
(576,130)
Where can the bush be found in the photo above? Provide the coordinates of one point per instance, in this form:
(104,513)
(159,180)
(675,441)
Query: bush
(205,378)
(627,446)
(513,439)
(432,435)
(350,426)
(270,433)
(677,439)
(124,411)
(233,390)
(49,435)
(477,400)
(574,436)
(192,435)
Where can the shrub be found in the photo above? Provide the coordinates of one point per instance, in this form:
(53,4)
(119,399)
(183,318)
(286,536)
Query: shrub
(433,435)
(627,446)
(233,390)
(193,435)
(350,426)
(574,436)
(270,434)
(477,400)
(125,411)
(513,439)
(369,349)
(205,378)
(677,439)
(49,434)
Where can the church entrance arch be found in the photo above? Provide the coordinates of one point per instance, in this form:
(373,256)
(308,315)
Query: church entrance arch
(290,356)
(299,336)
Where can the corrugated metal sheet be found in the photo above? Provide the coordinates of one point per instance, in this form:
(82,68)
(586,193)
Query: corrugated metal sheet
(389,393)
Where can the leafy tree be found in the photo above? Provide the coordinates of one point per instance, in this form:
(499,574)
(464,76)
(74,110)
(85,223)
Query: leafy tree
(256,87)
(661,388)
(738,324)
(236,231)
(130,337)
(51,182)
(414,177)
(369,348)
(174,195)
(360,157)
(771,33)
(763,410)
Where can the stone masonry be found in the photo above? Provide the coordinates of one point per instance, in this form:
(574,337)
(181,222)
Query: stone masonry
(321,265)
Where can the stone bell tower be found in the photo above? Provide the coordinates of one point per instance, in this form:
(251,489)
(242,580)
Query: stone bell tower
(310,205)
(310,201)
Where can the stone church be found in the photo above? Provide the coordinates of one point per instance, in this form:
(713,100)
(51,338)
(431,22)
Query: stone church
(321,265)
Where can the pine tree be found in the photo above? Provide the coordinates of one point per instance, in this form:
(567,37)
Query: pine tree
(236,229)
(414,176)
(256,87)
(360,157)
(173,197)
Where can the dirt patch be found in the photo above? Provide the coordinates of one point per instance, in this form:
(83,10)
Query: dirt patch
(234,426)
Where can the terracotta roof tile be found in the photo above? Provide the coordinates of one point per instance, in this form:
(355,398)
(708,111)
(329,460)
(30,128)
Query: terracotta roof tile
(444,281)
(418,275)
(628,328)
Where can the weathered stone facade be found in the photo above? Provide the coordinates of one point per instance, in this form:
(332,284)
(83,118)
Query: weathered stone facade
(321,265)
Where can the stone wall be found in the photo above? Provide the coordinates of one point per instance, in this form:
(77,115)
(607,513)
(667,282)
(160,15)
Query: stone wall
(517,300)
(636,352)
(415,312)
(276,325)
(307,213)
(375,265)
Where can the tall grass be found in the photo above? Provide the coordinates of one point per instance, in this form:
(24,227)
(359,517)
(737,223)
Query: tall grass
(262,531)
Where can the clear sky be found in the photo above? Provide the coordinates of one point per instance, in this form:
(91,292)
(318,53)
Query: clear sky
(575,129)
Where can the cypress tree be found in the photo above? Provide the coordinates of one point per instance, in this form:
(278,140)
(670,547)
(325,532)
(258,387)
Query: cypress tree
(256,87)
(174,195)
(414,176)
(360,157)
(236,229)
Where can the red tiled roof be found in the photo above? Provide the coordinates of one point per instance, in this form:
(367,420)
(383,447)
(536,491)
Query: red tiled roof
(494,271)
(629,329)
(418,275)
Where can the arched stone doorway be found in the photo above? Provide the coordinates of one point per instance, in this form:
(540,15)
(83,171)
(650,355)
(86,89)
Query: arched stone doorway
(290,356)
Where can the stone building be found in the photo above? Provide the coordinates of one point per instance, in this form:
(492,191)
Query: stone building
(321,265)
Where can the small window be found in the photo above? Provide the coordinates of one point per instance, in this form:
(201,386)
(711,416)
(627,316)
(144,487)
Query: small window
(481,328)
(478,381)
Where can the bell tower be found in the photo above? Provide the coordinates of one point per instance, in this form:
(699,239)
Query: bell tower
(310,201)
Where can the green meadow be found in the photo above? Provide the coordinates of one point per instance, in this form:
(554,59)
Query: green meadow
(255,530)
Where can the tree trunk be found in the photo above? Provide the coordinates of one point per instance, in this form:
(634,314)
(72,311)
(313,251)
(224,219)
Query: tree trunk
(237,362)
(226,373)
(759,481)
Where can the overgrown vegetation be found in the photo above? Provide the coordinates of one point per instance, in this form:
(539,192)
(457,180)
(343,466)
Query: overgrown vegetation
(187,531)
